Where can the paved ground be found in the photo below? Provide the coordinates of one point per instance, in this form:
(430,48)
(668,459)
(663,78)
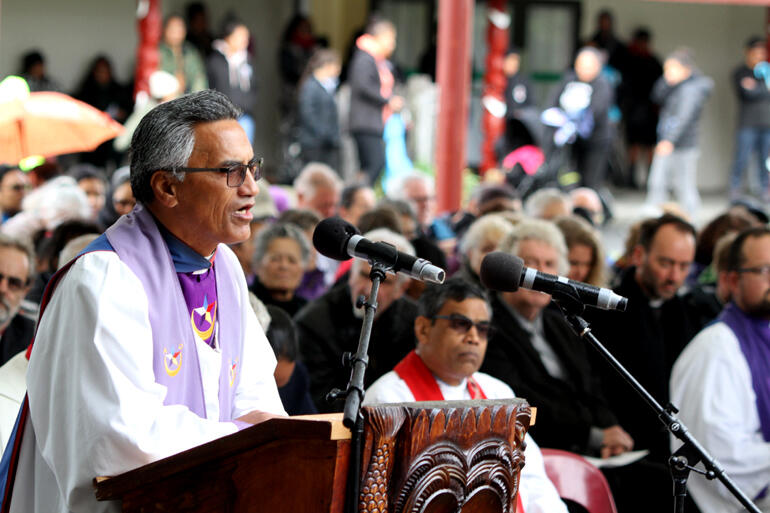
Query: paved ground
(629,208)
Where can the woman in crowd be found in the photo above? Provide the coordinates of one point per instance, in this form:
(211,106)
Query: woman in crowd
(280,257)
(482,238)
(585,252)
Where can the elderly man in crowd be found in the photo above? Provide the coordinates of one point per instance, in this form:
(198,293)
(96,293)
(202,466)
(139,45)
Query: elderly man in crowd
(331,325)
(720,380)
(161,351)
(17,267)
(318,188)
(451,333)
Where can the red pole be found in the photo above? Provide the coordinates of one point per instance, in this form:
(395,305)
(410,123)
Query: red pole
(493,125)
(149,27)
(453,72)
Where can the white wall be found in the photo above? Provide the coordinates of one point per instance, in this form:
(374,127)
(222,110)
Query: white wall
(70,34)
(717,33)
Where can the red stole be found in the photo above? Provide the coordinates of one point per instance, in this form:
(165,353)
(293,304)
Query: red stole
(424,387)
(422,383)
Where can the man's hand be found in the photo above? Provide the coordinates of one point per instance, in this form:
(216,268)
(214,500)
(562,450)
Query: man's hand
(748,83)
(396,103)
(664,148)
(256,416)
(616,441)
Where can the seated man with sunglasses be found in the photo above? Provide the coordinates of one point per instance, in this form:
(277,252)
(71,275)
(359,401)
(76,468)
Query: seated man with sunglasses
(452,332)
(146,344)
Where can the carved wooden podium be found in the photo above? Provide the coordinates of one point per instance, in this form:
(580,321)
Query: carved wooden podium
(417,457)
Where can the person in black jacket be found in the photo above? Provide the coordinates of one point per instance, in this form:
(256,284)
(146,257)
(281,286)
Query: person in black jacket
(16,272)
(230,71)
(650,334)
(371,94)
(317,123)
(331,325)
(535,351)
(753,132)
(586,96)
(681,92)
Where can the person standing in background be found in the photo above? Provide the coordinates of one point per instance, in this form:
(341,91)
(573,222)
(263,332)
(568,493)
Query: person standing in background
(180,57)
(753,134)
(230,71)
(371,94)
(318,126)
(681,92)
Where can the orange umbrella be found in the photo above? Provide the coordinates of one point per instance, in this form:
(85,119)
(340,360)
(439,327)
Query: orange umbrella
(51,124)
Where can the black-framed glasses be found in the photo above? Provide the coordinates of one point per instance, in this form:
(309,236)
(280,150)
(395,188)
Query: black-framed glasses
(761,270)
(15,284)
(462,324)
(236,174)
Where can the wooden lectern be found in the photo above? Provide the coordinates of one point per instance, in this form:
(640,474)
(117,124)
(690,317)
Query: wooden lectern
(417,457)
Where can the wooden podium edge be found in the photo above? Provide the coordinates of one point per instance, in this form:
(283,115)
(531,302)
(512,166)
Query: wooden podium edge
(327,426)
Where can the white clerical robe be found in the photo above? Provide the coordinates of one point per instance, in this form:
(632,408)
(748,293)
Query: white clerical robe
(711,386)
(538,495)
(95,408)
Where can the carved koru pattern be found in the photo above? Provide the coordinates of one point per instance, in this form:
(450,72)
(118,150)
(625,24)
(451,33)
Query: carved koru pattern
(445,456)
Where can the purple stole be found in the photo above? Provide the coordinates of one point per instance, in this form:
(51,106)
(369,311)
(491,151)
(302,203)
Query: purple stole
(140,245)
(754,338)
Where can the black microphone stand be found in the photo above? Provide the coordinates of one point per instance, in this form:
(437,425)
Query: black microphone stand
(691,452)
(354,393)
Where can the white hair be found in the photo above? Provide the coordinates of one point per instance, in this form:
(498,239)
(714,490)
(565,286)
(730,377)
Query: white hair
(539,230)
(315,175)
(398,191)
(537,203)
(389,237)
(483,228)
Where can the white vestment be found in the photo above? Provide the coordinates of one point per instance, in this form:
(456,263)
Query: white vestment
(95,408)
(538,495)
(711,386)
(12,389)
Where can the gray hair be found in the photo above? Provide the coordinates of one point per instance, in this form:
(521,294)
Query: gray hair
(7,241)
(540,199)
(281,231)
(483,228)
(389,237)
(398,191)
(165,138)
(74,247)
(539,230)
(315,175)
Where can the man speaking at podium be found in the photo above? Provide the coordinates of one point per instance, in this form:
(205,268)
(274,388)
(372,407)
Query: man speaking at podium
(452,332)
(146,344)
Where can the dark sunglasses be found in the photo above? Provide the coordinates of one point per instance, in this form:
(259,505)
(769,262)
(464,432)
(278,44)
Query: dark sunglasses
(236,174)
(14,284)
(462,324)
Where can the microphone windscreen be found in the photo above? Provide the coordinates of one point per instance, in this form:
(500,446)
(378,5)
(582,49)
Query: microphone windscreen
(501,271)
(331,237)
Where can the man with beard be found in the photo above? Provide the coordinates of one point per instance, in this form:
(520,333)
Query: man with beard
(16,271)
(720,380)
(653,330)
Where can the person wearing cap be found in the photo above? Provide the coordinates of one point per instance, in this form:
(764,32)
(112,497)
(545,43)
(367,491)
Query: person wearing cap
(753,131)
(146,345)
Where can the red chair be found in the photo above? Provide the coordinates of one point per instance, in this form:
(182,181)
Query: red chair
(578,480)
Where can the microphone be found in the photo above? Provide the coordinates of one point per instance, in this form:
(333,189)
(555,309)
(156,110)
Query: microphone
(337,239)
(504,272)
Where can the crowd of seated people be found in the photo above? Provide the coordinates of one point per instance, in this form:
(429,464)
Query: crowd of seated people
(679,280)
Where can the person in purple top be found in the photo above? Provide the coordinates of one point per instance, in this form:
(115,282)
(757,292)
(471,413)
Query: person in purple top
(146,343)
